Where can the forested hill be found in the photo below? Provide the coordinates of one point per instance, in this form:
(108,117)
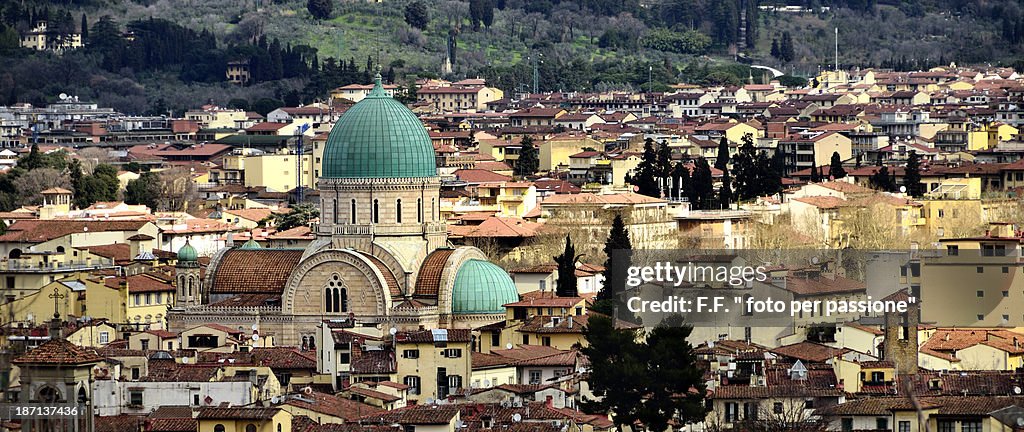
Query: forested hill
(154,55)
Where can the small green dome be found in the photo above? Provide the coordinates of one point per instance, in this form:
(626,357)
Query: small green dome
(187,253)
(251,244)
(378,138)
(482,288)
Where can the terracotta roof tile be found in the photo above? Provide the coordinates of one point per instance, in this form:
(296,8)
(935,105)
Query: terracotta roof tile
(58,351)
(235,273)
(37,231)
(237,413)
(336,406)
(809,352)
(171,425)
(427,336)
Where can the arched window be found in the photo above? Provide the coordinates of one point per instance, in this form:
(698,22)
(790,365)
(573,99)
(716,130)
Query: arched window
(81,395)
(190,286)
(433,209)
(344,300)
(218,428)
(14,254)
(49,394)
(376,211)
(352,212)
(305,343)
(60,249)
(181,286)
(333,295)
(250,428)
(398,210)
(279,427)
(335,201)
(419,210)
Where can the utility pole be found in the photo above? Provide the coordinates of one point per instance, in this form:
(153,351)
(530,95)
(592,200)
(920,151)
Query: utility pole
(837,49)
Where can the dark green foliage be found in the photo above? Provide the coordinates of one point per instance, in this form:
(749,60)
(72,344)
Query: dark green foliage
(102,185)
(615,278)
(144,190)
(680,178)
(835,169)
(792,81)
(787,52)
(702,193)
(529,158)
(664,166)
(688,42)
(300,215)
(722,160)
(320,9)
(881,180)
(648,172)
(651,382)
(912,177)
(725,190)
(416,14)
(566,284)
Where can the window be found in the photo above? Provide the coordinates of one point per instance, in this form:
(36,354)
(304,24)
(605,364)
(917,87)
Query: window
(335,295)
(981,293)
(195,399)
(135,398)
(398,210)
(455,382)
(877,377)
(1006,317)
(882,423)
(904,426)
(411,354)
(731,412)
(777,407)
(496,339)
(419,210)
(847,424)
(970,426)
(376,211)
(145,344)
(526,339)
(981,269)
(1006,269)
(981,317)
(149,298)
(352,213)
(104,337)
(947,426)
(250,428)
(334,203)
(535,376)
(453,353)
(809,404)
(414,384)
(218,428)
(135,373)
(750,410)
(545,340)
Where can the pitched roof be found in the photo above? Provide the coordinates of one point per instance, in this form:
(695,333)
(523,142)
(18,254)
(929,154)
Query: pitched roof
(336,406)
(237,413)
(254,271)
(480,176)
(604,199)
(809,351)
(145,283)
(58,351)
(497,227)
(38,231)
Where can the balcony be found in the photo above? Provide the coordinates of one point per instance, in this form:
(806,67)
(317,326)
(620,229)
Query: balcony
(26,266)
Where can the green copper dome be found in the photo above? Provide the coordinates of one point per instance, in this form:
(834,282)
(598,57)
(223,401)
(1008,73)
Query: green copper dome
(187,253)
(378,138)
(251,244)
(482,288)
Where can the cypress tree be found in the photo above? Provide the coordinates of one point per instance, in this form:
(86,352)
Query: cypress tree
(725,191)
(646,179)
(835,169)
(85,29)
(615,275)
(703,186)
(680,177)
(528,161)
(566,284)
(912,178)
(722,160)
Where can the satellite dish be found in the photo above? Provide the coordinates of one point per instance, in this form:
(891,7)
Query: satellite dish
(62,96)
(275,400)
(1016,389)
(392,330)
(184,360)
(517,417)
(307,390)
(255,327)
(487,383)
(255,337)
(508,345)
(903,189)
(430,401)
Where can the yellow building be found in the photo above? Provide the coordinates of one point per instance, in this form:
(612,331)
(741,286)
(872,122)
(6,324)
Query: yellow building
(425,356)
(94,334)
(42,38)
(278,171)
(555,151)
(212,117)
(458,98)
(240,419)
(545,320)
(71,298)
(149,297)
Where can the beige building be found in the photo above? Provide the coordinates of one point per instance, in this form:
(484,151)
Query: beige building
(43,38)
(458,98)
(556,149)
(434,363)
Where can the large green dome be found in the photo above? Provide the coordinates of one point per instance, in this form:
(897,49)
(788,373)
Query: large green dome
(482,288)
(378,138)
(187,253)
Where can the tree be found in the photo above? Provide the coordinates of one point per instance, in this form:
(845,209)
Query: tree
(745,168)
(653,382)
(703,187)
(300,215)
(722,161)
(646,179)
(31,183)
(320,9)
(836,170)
(775,48)
(32,160)
(616,247)
(102,185)
(912,177)
(84,29)
(416,15)
(529,158)
(566,284)
(680,177)
(786,50)
(143,190)
(881,180)
(725,191)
